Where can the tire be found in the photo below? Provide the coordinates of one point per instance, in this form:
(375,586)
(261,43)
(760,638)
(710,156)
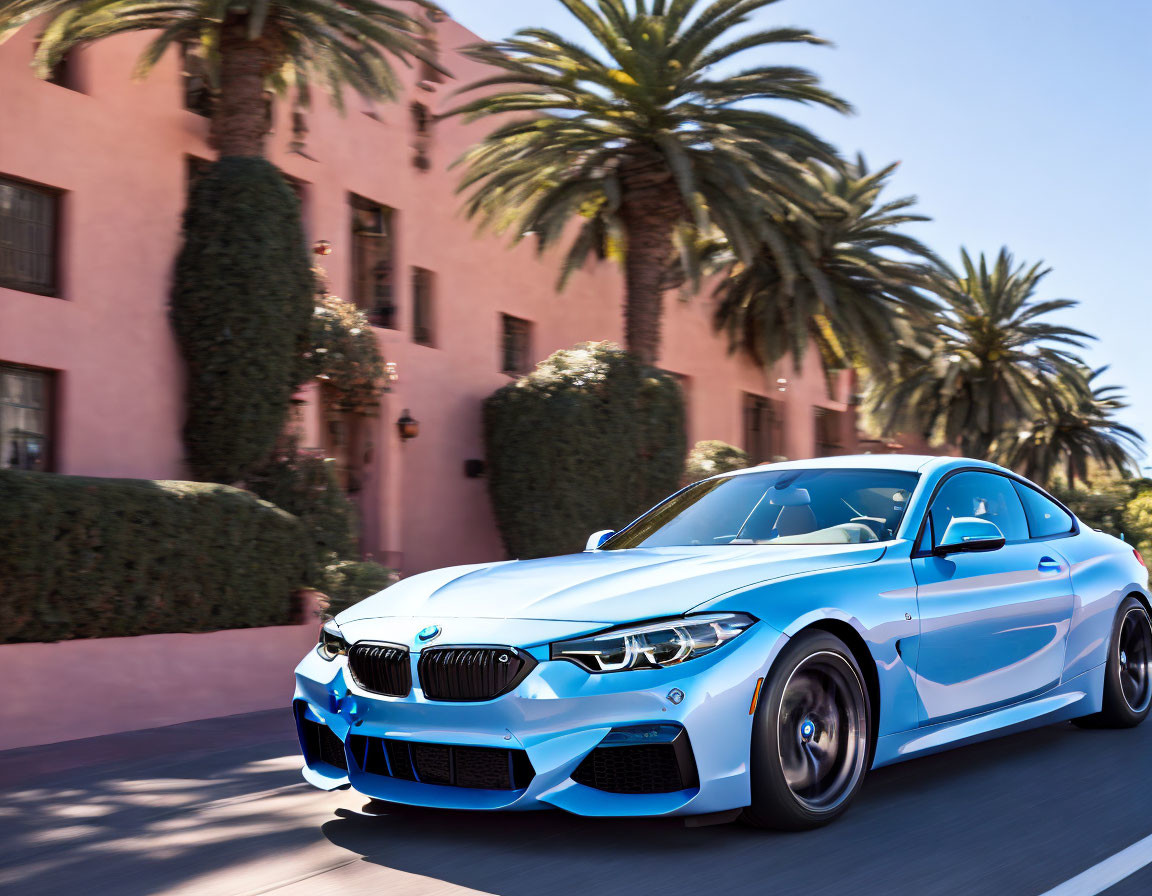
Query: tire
(1128,675)
(811,736)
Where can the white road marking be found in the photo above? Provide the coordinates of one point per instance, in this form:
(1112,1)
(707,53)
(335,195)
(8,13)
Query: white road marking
(1108,873)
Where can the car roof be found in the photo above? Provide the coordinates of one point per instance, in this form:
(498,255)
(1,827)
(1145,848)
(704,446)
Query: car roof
(910,463)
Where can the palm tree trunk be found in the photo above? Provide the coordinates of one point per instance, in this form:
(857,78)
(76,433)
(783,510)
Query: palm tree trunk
(650,206)
(239,121)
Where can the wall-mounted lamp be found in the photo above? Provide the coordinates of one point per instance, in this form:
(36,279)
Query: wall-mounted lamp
(408,426)
(322,247)
(782,385)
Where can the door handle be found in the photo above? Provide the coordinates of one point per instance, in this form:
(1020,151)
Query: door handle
(1047,564)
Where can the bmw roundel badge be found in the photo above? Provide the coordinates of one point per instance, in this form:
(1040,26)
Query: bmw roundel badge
(428,632)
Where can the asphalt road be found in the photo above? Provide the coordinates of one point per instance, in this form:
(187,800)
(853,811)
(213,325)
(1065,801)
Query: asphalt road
(218,807)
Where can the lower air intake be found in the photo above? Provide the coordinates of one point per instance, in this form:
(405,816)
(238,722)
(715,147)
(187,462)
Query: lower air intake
(449,765)
(321,744)
(625,763)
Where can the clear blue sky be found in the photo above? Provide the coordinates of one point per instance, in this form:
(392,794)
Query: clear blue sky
(1025,123)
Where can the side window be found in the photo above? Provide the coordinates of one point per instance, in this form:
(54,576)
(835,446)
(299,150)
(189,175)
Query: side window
(983,495)
(1045,517)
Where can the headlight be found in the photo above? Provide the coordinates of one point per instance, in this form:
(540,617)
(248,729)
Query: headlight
(332,643)
(653,645)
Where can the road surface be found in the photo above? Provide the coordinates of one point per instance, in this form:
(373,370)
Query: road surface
(218,807)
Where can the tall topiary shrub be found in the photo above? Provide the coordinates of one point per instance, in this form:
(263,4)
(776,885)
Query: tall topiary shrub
(587,441)
(241,307)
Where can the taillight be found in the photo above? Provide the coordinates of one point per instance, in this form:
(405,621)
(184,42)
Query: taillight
(1139,557)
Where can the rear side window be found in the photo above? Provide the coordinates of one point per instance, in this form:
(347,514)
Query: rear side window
(1045,517)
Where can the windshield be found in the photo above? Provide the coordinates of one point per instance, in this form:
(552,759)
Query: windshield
(777,507)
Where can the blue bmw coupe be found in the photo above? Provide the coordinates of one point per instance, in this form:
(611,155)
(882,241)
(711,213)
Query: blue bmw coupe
(751,646)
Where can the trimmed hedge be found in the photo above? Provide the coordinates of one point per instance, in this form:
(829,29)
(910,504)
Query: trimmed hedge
(93,558)
(242,303)
(589,440)
(304,483)
(711,456)
(347,582)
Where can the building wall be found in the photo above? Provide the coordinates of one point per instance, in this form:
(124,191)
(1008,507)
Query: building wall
(119,147)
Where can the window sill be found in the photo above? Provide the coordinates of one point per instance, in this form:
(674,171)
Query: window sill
(28,290)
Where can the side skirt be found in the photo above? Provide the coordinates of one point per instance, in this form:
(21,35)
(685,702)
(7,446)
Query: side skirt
(1079,696)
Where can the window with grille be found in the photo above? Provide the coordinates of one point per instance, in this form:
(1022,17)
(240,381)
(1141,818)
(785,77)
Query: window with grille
(763,428)
(66,72)
(373,248)
(829,432)
(28,238)
(430,76)
(423,295)
(516,346)
(421,120)
(25,418)
(198,94)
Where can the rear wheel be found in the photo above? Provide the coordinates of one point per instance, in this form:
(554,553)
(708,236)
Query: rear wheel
(1128,675)
(810,737)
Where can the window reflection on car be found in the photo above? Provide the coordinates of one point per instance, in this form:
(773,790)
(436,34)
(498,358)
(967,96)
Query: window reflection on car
(821,506)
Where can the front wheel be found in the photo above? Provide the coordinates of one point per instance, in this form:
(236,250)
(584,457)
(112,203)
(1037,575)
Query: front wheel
(810,736)
(1128,675)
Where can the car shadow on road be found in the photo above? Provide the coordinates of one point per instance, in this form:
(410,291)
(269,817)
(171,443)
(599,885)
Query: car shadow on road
(997,817)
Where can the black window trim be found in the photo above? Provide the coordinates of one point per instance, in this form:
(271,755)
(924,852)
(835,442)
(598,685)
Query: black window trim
(52,377)
(918,550)
(58,194)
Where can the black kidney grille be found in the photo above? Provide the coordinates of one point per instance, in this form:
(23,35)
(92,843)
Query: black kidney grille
(479,768)
(471,673)
(381,668)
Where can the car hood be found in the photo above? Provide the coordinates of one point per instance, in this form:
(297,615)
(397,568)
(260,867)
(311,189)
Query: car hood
(603,587)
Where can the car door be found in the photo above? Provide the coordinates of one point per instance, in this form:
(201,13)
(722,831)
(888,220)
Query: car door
(994,624)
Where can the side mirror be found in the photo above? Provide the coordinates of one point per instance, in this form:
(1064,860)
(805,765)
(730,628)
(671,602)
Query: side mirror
(598,538)
(968,534)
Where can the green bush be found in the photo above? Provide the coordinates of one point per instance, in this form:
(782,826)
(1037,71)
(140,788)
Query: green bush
(712,456)
(304,484)
(91,558)
(242,303)
(343,354)
(1118,506)
(587,441)
(347,582)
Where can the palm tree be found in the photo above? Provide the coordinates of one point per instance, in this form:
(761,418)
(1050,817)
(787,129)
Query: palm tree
(1080,430)
(843,278)
(640,138)
(252,45)
(985,365)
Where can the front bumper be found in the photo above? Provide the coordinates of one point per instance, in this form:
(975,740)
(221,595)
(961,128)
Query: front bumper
(557,715)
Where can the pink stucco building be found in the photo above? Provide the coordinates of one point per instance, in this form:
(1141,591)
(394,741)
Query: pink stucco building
(93,175)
